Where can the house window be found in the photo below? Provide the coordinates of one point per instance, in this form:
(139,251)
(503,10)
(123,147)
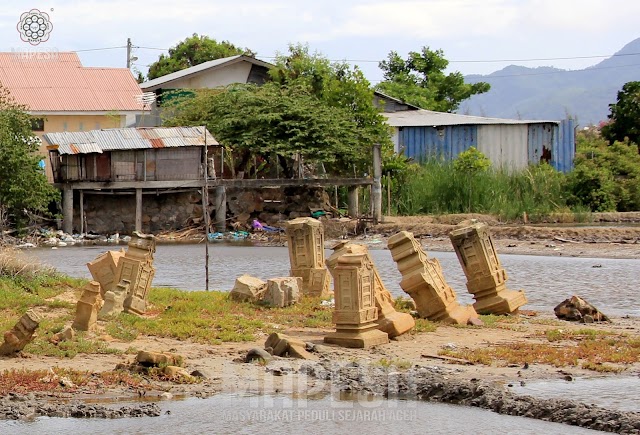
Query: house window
(37,124)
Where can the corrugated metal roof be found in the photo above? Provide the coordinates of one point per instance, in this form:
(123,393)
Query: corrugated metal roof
(97,141)
(428,118)
(62,84)
(201,67)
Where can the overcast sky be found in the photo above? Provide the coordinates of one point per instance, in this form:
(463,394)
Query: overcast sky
(355,30)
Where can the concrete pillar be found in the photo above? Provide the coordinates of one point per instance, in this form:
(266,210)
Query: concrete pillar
(221,208)
(139,210)
(376,188)
(67,210)
(353,208)
(82,228)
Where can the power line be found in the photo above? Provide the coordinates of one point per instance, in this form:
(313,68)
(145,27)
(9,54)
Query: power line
(98,49)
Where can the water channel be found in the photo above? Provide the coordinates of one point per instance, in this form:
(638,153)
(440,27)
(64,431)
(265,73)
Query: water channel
(609,284)
(222,414)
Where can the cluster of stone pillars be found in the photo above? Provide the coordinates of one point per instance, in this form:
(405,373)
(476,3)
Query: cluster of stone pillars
(364,314)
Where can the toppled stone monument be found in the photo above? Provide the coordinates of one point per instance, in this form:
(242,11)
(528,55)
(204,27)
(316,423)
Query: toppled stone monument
(355,312)
(423,280)
(136,266)
(282,292)
(248,288)
(486,278)
(305,238)
(21,334)
(282,345)
(579,310)
(133,270)
(87,307)
(104,270)
(392,322)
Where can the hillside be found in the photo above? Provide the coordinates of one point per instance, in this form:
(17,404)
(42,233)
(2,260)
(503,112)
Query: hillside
(552,93)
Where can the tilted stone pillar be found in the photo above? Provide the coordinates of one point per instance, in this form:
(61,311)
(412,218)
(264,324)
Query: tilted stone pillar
(423,280)
(486,279)
(355,312)
(87,307)
(136,266)
(305,237)
(392,322)
(104,269)
(21,334)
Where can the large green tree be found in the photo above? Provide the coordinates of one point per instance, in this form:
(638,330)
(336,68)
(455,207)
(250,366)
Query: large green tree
(192,51)
(337,84)
(287,122)
(421,80)
(624,119)
(23,185)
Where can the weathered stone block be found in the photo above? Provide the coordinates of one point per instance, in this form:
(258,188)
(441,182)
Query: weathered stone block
(156,359)
(282,292)
(423,280)
(389,320)
(355,311)
(305,237)
(104,268)
(114,300)
(283,345)
(486,278)
(577,309)
(21,334)
(248,288)
(87,307)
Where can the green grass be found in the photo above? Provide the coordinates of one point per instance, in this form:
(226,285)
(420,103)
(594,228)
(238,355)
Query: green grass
(213,318)
(437,188)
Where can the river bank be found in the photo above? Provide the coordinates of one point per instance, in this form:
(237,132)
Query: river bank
(472,366)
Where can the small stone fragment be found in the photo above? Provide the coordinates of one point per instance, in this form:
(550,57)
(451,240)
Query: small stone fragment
(577,309)
(248,288)
(21,334)
(282,292)
(155,359)
(257,354)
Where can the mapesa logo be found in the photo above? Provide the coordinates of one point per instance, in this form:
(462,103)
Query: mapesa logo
(34,27)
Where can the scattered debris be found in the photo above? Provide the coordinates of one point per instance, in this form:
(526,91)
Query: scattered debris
(577,309)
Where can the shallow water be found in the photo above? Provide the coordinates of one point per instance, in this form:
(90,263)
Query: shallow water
(614,393)
(281,414)
(547,281)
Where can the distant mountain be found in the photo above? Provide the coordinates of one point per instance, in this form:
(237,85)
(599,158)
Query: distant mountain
(551,93)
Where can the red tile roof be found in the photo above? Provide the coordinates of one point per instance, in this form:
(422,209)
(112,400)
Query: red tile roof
(62,84)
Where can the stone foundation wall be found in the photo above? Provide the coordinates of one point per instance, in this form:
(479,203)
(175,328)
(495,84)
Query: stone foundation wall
(108,214)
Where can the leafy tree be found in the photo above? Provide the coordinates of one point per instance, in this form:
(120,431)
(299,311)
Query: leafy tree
(471,162)
(272,119)
(420,80)
(23,185)
(606,177)
(338,85)
(625,115)
(192,51)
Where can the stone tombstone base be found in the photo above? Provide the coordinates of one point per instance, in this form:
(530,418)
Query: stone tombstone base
(486,278)
(423,280)
(360,338)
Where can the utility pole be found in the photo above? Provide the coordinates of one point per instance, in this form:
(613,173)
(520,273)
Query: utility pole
(128,53)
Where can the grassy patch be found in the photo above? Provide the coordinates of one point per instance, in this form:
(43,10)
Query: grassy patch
(590,353)
(23,381)
(575,334)
(69,348)
(213,318)
(424,325)
(395,363)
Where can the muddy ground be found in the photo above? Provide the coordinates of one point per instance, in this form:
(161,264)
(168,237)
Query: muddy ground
(409,366)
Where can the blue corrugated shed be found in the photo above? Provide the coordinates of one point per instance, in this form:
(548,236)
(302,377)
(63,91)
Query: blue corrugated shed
(565,150)
(423,134)
(420,143)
